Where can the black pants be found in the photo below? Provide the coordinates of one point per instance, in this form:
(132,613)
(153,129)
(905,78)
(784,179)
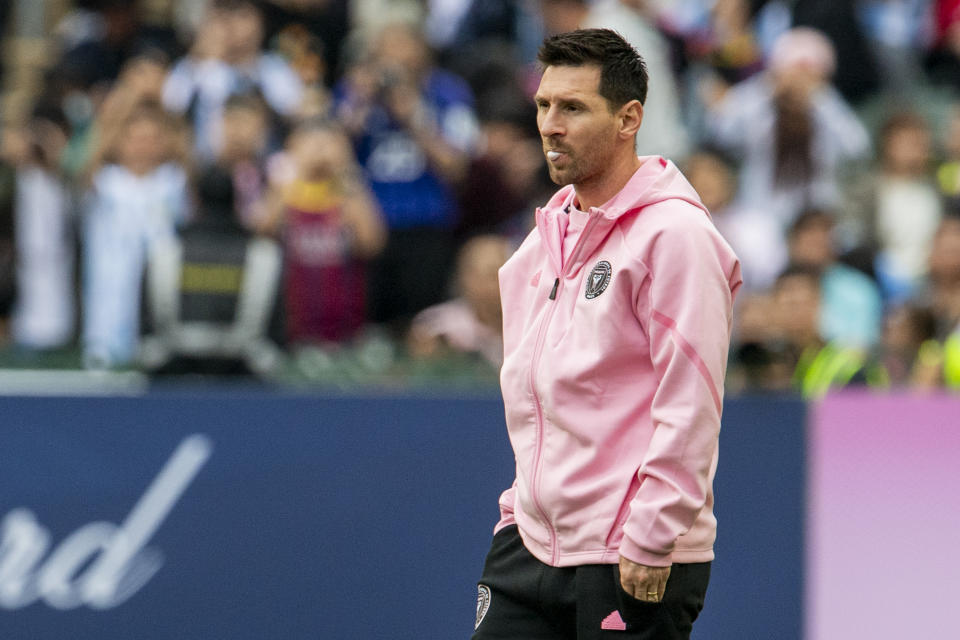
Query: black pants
(520,598)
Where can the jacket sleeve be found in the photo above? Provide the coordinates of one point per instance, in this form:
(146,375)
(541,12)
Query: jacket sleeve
(506,508)
(693,276)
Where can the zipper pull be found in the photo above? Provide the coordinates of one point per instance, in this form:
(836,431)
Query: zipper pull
(553,292)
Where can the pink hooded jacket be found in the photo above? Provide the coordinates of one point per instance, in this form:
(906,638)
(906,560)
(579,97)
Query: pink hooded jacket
(613,376)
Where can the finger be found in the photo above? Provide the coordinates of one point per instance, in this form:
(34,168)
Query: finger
(625,584)
(641,590)
(648,590)
(662,587)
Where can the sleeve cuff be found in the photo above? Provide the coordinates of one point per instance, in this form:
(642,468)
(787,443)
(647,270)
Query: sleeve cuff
(634,553)
(505,522)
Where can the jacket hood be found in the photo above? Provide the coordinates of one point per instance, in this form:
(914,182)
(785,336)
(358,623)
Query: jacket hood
(656,180)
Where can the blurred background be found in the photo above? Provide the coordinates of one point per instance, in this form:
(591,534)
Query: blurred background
(270,228)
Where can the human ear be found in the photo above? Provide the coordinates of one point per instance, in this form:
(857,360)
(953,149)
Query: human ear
(631,116)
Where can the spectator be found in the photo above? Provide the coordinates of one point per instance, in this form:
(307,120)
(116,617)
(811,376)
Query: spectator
(796,313)
(790,128)
(733,50)
(135,200)
(819,365)
(948,172)
(716,47)
(756,237)
(308,58)
(331,226)
(857,74)
(472,321)
(370,16)
(456,26)
(79,91)
(511,165)
(227,59)
(951,361)
(244,154)
(327,22)
(490,43)
(8,250)
(44,315)
(761,359)
(943,278)
(904,353)
(943,62)
(211,293)
(850,304)
(896,33)
(414,128)
(141,80)
(895,210)
(939,361)
(100,35)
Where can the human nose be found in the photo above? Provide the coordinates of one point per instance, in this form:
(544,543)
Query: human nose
(550,123)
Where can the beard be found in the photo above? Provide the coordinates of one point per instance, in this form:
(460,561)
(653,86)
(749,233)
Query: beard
(579,168)
(561,177)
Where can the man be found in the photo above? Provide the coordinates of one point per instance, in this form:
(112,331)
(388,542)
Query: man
(414,128)
(616,315)
(663,131)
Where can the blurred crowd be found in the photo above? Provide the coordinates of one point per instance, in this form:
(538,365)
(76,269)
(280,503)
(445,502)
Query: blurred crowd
(232,186)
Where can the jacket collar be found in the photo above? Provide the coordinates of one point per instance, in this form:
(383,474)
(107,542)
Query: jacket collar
(655,180)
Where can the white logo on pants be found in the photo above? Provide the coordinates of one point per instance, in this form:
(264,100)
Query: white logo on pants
(483,603)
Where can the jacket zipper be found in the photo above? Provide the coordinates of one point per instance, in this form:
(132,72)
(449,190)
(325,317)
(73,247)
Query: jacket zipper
(537,352)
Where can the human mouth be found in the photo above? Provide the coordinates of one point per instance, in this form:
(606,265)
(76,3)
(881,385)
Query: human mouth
(553,156)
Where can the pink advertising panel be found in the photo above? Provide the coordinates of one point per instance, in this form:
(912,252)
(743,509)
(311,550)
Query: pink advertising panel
(883,527)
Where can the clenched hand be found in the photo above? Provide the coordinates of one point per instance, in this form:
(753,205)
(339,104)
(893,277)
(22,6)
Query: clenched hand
(643,582)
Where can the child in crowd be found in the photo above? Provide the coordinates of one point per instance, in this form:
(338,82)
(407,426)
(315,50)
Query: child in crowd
(908,351)
(895,210)
(850,306)
(141,80)
(246,131)
(330,225)
(472,322)
(136,199)
(43,315)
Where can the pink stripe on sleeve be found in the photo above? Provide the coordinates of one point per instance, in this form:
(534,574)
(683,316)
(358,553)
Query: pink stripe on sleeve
(692,354)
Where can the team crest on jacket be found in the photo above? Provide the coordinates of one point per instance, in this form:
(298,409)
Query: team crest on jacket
(598,279)
(483,603)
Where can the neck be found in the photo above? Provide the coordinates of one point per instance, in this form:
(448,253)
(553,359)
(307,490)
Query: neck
(602,188)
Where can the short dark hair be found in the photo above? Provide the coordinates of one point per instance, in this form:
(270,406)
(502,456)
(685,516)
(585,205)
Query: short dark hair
(901,120)
(809,219)
(623,73)
(794,270)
